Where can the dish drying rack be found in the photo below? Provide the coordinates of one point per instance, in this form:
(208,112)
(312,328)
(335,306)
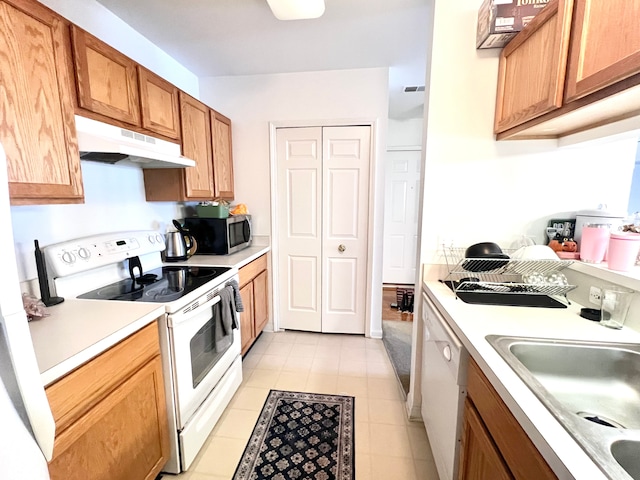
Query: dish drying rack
(503,275)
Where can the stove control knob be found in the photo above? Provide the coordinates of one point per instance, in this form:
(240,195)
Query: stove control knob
(83,253)
(159,238)
(68,257)
(152,239)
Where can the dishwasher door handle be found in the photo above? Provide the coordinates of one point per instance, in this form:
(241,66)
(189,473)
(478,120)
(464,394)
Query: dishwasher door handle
(446,352)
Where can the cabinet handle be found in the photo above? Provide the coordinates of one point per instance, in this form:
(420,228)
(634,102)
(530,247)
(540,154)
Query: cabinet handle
(341,248)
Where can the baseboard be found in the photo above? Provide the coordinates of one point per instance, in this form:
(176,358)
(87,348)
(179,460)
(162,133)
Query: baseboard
(375,334)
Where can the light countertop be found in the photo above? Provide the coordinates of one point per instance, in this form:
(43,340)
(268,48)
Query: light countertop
(78,330)
(472,323)
(238,260)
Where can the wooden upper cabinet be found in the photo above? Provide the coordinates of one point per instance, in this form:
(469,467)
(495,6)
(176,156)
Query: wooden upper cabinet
(222,156)
(532,67)
(191,183)
(195,124)
(106,80)
(605,47)
(37,126)
(159,103)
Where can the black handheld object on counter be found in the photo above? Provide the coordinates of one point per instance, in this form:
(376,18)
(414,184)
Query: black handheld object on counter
(43,279)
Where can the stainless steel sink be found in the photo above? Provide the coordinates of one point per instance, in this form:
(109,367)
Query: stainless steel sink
(592,388)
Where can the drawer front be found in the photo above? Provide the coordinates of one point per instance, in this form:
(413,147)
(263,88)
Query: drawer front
(75,394)
(251,270)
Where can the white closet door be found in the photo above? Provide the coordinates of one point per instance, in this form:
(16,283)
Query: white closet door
(299,157)
(346,159)
(323,194)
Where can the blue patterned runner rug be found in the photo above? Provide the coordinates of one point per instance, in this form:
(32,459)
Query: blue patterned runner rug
(301,436)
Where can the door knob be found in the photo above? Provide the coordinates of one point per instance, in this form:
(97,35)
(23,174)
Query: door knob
(341,248)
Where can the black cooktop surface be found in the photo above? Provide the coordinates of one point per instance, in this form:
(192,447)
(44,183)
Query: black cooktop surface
(161,285)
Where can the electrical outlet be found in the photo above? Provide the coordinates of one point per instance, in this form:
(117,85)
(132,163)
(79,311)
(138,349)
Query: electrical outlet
(595,295)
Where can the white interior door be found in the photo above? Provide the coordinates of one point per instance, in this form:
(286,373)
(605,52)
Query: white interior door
(402,184)
(323,192)
(346,161)
(299,209)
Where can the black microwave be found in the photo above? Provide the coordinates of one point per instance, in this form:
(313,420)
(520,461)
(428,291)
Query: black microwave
(220,236)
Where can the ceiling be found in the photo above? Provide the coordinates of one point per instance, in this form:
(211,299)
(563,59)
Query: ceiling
(242,37)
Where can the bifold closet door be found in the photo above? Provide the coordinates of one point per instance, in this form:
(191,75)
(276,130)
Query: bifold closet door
(345,211)
(322,208)
(299,210)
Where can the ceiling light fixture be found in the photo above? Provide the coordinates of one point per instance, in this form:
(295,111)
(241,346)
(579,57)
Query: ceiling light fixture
(296,9)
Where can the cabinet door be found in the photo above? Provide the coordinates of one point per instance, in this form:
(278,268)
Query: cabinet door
(106,80)
(196,144)
(125,436)
(516,448)
(260,302)
(480,459)
(605,47)
(532,67)
(37,127)
(222,156)
(159,102)
(246,318)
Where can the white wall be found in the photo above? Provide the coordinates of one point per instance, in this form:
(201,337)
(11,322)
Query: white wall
(405,133)
(477,189)
(114,195)
(114,201)
(252,102)
(255,100)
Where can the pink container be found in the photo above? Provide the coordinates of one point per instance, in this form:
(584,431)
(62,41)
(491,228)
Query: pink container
(623,251)
(594,242)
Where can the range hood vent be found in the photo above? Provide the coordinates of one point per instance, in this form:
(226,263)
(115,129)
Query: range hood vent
(101,142)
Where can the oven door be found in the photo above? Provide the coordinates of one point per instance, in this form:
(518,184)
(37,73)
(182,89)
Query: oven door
(202,352)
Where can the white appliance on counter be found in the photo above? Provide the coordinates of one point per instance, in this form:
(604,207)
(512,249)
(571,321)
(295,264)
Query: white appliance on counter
(444,377)
(19,373)
(200,347)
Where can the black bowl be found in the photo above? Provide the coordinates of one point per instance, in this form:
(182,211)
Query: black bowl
(486,263)
(483,250)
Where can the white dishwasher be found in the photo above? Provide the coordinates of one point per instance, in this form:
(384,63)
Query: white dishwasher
(444,379)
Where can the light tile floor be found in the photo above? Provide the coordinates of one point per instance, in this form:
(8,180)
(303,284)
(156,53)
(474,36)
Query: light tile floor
(388,445)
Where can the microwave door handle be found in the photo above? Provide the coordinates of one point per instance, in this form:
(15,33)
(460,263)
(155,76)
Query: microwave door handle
(180,318)
(247,230)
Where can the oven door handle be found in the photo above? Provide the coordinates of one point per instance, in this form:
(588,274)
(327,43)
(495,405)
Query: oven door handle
(181,317)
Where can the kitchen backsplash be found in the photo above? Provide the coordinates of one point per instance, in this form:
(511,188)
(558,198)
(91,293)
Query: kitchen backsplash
(114,201)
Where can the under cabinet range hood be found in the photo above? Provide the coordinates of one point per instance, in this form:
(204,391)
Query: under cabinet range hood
(101,142)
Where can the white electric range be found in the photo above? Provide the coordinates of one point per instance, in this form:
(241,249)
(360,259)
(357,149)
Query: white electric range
(200,352)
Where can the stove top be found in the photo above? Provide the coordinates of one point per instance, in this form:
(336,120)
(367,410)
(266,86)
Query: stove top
(162,285)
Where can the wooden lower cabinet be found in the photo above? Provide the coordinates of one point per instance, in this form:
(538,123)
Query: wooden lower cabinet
(111,417)
(247,324)
(494,444)
(254,290)
(480,457)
